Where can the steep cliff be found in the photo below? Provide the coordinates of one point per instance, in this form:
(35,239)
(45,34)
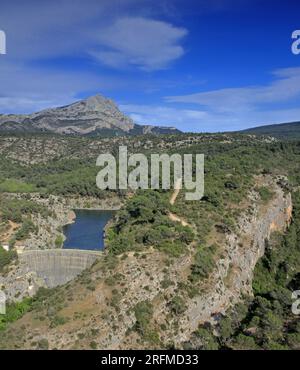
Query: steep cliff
(242,249)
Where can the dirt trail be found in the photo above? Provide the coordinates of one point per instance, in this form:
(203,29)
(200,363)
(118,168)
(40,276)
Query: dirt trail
(176,218)
(177,189)
(172,216)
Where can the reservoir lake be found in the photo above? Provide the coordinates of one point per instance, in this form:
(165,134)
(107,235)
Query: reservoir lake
(87,232)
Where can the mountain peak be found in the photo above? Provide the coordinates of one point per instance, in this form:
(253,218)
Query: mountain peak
(98,101)
(93,115)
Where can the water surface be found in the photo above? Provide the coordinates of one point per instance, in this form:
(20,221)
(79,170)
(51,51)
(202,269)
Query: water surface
(87,232)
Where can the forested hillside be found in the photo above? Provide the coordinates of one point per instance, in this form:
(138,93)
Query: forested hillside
(284,131)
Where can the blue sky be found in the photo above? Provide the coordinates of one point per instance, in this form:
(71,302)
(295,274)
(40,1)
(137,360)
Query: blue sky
(198,65)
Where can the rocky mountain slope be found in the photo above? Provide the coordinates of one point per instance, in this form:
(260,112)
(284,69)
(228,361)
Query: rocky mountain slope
(96,115)
(116,291)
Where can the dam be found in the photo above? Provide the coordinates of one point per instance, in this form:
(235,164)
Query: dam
(54,267)
(58,266)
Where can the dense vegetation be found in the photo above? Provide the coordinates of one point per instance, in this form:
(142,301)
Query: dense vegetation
(143,312)
(15,209)
(61,177)
(266,320)
(144,222)
(284,131)
(229,174)
(14,311)
(6,257)
(45,299)
(69,175)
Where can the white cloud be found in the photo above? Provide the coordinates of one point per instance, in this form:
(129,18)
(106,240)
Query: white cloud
(25,89)
(185,119)
(100,29)
(234,108)
(146,43)
(286,86)
(228,109)
(41,29)
(118,32)
(34,75)
(202,121)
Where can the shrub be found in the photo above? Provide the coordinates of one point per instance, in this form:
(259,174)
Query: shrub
(177,305)
(15,311)
(204,263)
(173,249)
(58,320)
(208,341)
(6,257)
(43,344)
(143,313)
(59,241)
(26,228)
(265,194)
(93,345)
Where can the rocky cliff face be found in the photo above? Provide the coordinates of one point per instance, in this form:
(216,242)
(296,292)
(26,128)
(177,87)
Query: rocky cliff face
(95,115)
(232,277)
(242,249)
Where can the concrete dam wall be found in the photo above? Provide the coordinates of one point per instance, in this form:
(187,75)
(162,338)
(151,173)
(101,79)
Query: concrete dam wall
(58,266)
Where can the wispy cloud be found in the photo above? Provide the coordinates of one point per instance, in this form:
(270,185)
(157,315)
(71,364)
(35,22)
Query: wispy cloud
(101,30)
(286,86)
(229,108)
(146,43)
(185,119)
(25,89)
(38,29)
(190,120)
